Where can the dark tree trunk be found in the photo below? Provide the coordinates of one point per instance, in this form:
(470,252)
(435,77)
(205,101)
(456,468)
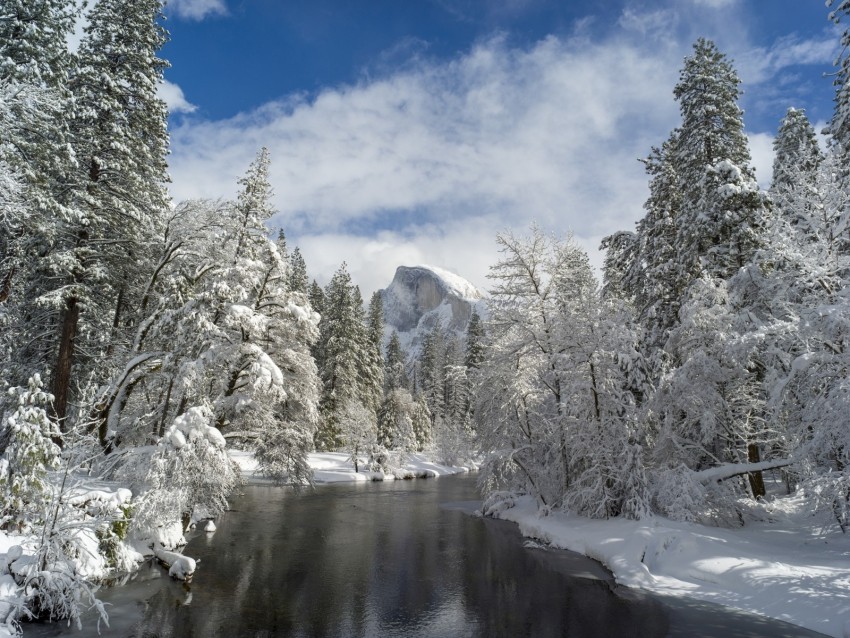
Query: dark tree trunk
(116,320)
(62,375)
(756,478)
(6,288)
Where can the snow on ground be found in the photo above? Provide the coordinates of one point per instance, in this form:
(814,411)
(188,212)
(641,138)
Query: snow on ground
(336,467)
(792,568)
(9,591)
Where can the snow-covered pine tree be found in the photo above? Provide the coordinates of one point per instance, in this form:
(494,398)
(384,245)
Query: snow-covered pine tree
(421,419)
(120,141)
(431,371)
(341,344)
(839,126)
(796,165)
(29,454)
(475,347)
(35,108)
(395,422)
(453,433)
(372,365)
(316,297)
(298,280)
(395,366)
(712,131)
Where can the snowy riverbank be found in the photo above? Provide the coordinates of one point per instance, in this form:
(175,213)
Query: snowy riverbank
(327,468)
(336,467)
(794,568)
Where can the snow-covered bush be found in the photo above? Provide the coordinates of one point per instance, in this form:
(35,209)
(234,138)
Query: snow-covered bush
(830,494)
(357,431)
(79,543)
(189,468)
(29,454)
(677,495)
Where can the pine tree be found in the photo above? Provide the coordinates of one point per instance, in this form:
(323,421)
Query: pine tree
(395,366)
(29,453)
(120,141)
(298,280)
(839,126)
(421,421)
(341,345)
(712,131)
(395,422)
(474,341)
(796,166)
(372,365)
(34,139)
(431,373)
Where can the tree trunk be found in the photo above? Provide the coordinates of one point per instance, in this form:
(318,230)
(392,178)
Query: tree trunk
(6,288)
(62,375)
(756,478)
(116,320)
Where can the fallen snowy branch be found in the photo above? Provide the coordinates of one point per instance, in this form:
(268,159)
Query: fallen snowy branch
(729,470)
(179,566)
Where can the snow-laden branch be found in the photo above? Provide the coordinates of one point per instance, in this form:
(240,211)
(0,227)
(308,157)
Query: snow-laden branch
(728,470)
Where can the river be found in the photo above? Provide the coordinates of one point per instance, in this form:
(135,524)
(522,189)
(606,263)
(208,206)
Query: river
(393,559)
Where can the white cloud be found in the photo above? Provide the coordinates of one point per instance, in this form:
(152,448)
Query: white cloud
(715,4)
(760,64)
(761,150)
(174,99)
(197,9)
(428,163)
(489,141)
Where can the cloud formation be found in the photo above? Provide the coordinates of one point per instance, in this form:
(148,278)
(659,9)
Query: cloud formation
(174,99)
(197,9)
(426,163)
(549,133)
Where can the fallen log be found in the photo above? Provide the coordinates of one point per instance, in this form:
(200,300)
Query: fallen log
(729,470)
(179,566)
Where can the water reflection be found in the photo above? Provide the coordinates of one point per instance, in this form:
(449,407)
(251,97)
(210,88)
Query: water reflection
(385,560)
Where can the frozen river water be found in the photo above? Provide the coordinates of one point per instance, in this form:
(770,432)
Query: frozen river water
(401,558)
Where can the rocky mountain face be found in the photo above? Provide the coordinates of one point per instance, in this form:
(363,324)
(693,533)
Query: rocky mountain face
(420,297)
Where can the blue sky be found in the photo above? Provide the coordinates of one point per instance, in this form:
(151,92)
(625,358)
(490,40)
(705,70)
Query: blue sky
(411,132)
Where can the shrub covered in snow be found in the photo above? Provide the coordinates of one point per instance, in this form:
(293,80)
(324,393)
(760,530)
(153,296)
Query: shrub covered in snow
(29,454)
(189,468)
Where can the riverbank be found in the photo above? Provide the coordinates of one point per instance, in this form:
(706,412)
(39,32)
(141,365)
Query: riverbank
(328,467)
(337,467)
(793,567)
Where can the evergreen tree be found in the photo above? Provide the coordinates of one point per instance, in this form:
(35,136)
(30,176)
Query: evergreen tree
(372,365)
(475,348)
(421,421)
(395,422)
(35,108)
(341,345)
(120,141)
(712,131)
(431,373)
(29,453)
(796,166)
(395,366)
(839,126)
(298,280)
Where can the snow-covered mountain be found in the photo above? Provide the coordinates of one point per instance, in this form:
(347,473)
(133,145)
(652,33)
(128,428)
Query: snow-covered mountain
(420,297)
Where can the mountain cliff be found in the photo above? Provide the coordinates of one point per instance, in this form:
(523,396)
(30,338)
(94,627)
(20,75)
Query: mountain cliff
(420,297)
